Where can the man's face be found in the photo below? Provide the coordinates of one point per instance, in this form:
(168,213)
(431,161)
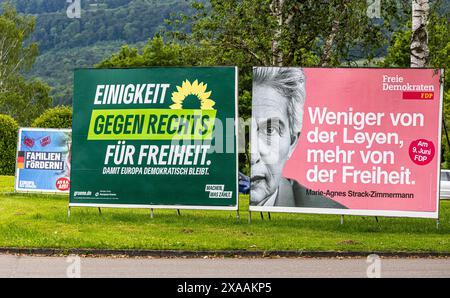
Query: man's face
(271,142)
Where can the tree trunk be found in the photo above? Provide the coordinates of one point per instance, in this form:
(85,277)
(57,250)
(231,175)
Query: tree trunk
(419,37)
(277,11)
(328,46)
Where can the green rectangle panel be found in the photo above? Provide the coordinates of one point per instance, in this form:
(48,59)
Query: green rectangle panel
(155,137)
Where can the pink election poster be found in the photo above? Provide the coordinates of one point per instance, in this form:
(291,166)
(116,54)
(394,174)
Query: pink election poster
(346,141)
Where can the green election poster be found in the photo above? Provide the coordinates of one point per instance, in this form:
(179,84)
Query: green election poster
(155,137)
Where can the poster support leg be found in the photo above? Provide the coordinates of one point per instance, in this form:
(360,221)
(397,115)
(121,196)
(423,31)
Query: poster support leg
(446,132)
(178,211)
(237,216)
(68,212)
(437,224)
(376,218)
(342,220)
(99,211)
(262,215)
(269,215)
(151,213)
(249,217)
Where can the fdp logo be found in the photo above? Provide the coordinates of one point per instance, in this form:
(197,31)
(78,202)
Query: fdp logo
(418,95)
(421,151)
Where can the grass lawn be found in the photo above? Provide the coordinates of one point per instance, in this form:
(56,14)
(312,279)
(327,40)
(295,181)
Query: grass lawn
(40,221)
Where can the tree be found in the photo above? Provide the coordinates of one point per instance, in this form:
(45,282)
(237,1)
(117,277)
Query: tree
(438,44)
(283,33)
(21,99)
(57,117)
(15,56)
(287,32)
(419,37)
(8,144)
(25,100)
(158,52)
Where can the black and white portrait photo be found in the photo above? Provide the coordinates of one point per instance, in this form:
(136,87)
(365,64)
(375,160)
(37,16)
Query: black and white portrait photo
(277,115)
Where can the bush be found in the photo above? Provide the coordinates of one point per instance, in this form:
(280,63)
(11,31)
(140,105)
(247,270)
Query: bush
(8,144)
(58,117)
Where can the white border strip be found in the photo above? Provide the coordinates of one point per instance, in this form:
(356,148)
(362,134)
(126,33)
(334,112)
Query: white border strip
(16,173)
(441,102)
(132,206)
(46,129)
(236,131)
(345,212)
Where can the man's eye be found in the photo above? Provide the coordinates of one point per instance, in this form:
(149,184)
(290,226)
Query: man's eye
(270,131)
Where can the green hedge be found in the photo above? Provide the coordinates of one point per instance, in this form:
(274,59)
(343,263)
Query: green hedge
(8,144)
(58,117)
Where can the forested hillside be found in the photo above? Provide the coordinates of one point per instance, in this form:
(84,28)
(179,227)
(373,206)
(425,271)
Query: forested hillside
(105,25)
